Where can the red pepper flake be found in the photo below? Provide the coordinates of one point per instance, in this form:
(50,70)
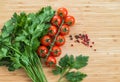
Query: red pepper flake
(86,44)
(88,39)
(94,49)
(86,36)
(71,38)
(76,36)
(71,45)
(78,41)
(93,42)
(84,39)
(79,34)
(90,46)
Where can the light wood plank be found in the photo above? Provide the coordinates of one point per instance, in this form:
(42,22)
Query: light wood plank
(99,18)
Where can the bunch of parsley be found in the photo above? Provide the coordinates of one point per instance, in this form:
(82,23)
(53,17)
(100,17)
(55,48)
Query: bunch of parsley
(66,66)
(19,40)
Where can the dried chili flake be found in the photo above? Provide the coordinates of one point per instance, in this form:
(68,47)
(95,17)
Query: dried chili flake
(94,49)
(86,44)
(78,41)
(93,42)
(86,36)
(70,36)
(90,46)
(79,34)
(82,38)
(71,45)
(76,36)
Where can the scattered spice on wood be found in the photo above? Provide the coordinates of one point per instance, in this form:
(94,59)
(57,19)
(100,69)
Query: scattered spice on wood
(71,38)
(84,39)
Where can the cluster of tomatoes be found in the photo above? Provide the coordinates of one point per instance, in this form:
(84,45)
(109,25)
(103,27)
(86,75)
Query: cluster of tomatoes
(59,24)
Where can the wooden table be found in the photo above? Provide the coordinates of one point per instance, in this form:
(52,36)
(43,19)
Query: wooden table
(100,19)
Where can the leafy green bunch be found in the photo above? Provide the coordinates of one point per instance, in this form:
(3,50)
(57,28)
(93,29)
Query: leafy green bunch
(66,66)
(19,40)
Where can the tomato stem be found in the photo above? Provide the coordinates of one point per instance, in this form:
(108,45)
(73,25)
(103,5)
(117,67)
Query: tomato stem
(52,44)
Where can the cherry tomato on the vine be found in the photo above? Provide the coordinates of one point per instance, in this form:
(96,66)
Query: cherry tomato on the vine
(60,40)
(51,61)
(70,20)
(64,30)
(46,40)
(56,20)
(62,12)
(42,51)
(56,51)
(52,30)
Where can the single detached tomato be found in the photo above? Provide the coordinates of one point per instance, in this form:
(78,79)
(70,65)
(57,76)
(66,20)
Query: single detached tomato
(62,12)
(52,30)
(56,51)
(64,30)
(46,40)
(56,20)
(70,20)
(51,61)
(42,51)
(60,40)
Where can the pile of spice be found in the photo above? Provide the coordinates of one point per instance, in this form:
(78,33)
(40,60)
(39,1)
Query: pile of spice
(82,38)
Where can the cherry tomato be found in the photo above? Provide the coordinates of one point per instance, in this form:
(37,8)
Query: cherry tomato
(52,30)
(56,20)
(46,40)
(62,12)
(42,51)
(70,20)
(60,40)
(64,30)
(56,51)
(51,61)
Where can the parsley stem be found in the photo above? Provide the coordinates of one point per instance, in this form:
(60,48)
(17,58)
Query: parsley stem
(13,49)
(63,74)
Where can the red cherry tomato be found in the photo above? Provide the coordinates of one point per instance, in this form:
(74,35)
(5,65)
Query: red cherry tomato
(56,20)
(64,30)
(62,12)
(42,51)
(46,40)
(60,40)
(51,61)
(56,51)
(70,20)
(52,30)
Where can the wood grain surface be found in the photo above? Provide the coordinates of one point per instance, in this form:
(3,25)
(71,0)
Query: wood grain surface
(100,19)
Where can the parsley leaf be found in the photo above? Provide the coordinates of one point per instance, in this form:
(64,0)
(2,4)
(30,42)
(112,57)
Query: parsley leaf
(80,62)
(67,63)
(64,61)
(57,71)
(75,76)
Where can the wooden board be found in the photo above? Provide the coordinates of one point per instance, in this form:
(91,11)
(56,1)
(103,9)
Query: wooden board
(100,19)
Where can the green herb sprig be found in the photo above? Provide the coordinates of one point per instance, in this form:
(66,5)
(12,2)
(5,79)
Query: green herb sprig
(67,63)
(19,40)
